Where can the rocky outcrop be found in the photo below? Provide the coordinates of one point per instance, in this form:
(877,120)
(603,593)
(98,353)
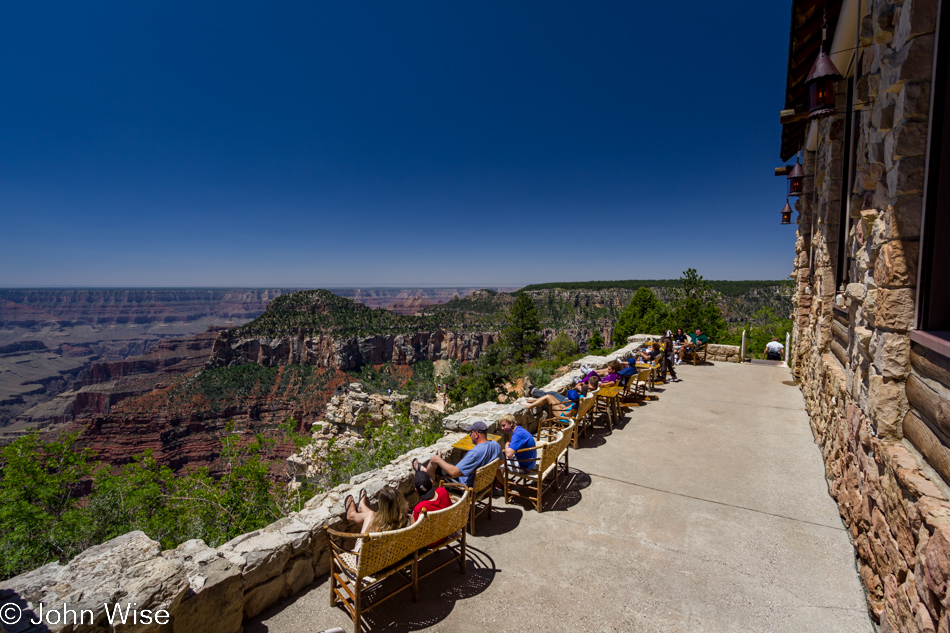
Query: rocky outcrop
(345,353)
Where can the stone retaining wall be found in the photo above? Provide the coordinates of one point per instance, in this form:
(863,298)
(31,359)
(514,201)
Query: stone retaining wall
(207,589)
(216,589)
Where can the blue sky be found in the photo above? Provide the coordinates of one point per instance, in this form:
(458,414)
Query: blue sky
(369,143)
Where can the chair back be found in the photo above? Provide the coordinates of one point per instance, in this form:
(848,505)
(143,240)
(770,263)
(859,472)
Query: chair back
(567,434)
(439,524)
(485,475)
(585,406)
(382,549)
(547,451)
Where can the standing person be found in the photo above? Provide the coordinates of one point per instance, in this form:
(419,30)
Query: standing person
(774,350)
(666,364)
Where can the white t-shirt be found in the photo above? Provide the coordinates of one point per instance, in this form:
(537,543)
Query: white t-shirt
(775,346)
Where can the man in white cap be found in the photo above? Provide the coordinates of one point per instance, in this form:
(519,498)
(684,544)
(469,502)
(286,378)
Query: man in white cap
(484,452)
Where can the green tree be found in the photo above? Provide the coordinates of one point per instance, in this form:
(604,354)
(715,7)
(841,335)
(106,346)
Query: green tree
(41,519)
(483,380)
(645,314)
(522,335)
(596,340)
(562,346)
(695,305)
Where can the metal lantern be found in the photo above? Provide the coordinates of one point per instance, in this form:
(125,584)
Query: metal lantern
(787,213)
(821,82)
(796,180)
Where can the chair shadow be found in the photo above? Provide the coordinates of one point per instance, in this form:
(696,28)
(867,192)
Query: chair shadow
(567,495)
(438,594)
(593,439)
(504,519)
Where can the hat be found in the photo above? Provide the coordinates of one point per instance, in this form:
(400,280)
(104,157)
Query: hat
(572,394)
(423,484)
(477,425)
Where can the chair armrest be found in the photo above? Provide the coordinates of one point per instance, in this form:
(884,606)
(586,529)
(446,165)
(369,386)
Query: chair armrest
(454,485)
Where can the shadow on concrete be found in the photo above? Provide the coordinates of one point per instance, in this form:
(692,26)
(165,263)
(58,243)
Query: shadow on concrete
(567,495)
(438,594)
(504,519)
(569,491)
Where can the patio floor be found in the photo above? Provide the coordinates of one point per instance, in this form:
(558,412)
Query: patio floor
(705,510)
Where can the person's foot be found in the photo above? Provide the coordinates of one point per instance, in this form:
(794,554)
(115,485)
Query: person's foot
(415,465)
(362,504)
(349,507)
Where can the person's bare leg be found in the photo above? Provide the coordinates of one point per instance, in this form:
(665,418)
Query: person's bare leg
(430,468)
(547,399)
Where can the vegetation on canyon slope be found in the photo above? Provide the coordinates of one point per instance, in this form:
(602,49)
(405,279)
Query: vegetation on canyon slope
(56,500)
(559,306)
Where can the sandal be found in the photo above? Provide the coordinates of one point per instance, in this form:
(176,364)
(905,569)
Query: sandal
(362,496)
(415,465)
(347,500)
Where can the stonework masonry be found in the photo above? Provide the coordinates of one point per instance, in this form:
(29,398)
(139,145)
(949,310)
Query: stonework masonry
(877,396)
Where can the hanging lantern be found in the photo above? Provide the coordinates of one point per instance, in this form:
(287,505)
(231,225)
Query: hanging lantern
(796,180)
(787,213)
(821,82)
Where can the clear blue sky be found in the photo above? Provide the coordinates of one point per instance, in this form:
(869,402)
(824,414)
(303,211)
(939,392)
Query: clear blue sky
(366,143)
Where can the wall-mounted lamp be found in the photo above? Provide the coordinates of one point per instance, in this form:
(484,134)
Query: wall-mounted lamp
(787,213)
(821,81)
(796,180)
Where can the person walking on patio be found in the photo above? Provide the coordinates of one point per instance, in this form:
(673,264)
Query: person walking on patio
(774,350)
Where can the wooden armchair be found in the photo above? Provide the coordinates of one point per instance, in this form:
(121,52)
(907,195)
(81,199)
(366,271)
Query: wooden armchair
(697,354)
(484,481)
(582,417)
(567,428)
(383,554)
(532,483)
(635,389)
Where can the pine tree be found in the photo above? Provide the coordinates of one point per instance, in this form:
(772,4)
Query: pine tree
(696,305)
(645,314)
(522,336)
(596,340)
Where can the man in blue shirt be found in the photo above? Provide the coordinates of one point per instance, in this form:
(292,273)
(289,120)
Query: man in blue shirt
(484,452)
(520,439)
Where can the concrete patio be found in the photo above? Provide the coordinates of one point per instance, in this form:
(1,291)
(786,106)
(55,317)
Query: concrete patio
(704,510)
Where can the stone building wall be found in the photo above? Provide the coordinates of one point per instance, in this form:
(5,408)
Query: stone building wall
(878,400)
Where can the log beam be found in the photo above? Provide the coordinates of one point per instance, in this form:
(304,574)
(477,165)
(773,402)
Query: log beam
(930,404)
(926,441)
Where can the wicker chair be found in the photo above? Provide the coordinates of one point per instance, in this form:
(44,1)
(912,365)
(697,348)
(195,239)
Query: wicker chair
(567,428)
(484,481)
(532,483)
(582,417)
(383,554)
(636,388)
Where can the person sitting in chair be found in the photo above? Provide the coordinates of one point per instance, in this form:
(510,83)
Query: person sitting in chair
(520,439)
(430,497)
(560,405)
(484,452)
(774,350)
